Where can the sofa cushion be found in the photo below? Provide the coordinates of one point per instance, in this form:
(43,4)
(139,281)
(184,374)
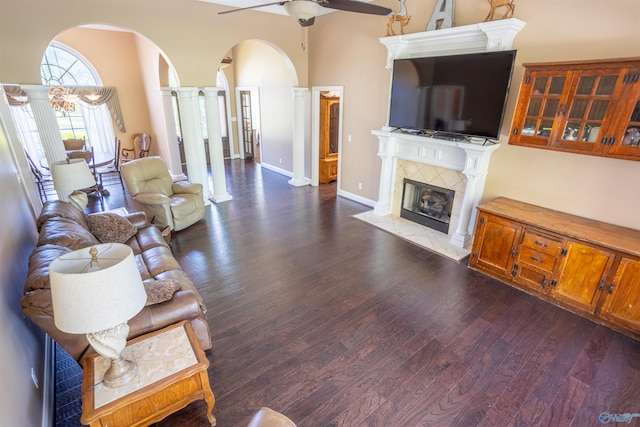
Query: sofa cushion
(65,232)
(39,260)
(110,227)
(160,290)
(60,209)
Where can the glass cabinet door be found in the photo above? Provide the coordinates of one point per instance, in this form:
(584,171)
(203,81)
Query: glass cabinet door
(547,93)
(583,122)
(627,140)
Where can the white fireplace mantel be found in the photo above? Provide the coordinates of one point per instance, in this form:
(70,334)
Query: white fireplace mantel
(483,37)
(471,158)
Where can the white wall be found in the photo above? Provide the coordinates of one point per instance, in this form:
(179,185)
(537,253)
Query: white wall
(22,347)
(260,65)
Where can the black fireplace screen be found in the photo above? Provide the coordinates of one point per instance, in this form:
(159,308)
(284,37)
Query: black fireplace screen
(427,204)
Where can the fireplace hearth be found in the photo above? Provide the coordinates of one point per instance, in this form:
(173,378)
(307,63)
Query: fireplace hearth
(427,204)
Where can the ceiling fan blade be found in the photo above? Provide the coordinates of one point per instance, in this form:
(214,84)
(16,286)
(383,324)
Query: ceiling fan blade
(356,6)
(307,22)
(252,7)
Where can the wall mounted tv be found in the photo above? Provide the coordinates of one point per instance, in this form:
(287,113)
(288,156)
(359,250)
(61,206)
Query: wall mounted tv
(456,94)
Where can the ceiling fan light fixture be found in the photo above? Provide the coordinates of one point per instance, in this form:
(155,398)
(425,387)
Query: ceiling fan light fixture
(301,9)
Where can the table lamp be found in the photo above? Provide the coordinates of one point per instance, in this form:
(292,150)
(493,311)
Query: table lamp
(95,291)
(71,174)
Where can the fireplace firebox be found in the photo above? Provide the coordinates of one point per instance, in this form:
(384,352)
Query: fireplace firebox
(427,204)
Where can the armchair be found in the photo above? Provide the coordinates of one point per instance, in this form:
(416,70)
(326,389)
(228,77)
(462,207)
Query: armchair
(140,146)
(176,204)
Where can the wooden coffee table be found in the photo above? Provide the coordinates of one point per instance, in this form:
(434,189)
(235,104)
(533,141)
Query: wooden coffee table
(172,372)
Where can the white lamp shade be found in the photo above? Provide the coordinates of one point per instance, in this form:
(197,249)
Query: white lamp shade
(91,296)
(301,9)
(71,175)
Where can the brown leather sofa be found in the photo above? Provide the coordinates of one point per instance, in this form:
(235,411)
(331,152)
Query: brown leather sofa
(64,228)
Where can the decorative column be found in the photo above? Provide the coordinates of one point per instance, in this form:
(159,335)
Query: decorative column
(475,169)
(45,118)
(216,153)
(48,129)
(172,151)
(299,103)
(193,139)
(386,151)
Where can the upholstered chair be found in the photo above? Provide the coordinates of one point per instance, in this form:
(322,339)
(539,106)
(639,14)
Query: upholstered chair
(267,417)
(176,204)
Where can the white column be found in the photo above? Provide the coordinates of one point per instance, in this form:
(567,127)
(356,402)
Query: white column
(193,140)
(386,151)
(299,104)
(47,125)
(172,156)
(462,237)
(45,118)
(476,168)
(216,153)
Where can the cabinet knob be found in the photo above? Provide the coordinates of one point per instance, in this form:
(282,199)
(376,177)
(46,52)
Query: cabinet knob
(611,288)
(601,286)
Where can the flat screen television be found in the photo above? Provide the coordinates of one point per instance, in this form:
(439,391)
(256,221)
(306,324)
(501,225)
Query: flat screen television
(456,94)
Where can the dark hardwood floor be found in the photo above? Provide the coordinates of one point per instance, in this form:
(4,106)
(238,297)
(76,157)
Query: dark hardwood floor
(335,323)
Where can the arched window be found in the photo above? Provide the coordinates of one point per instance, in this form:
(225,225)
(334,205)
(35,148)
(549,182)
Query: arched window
(61,66)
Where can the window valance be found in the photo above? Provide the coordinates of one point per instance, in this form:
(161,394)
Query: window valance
(91,95)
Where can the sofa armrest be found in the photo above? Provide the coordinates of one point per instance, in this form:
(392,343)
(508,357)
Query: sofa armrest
(152,199)
(138,219)
(183,306)
(187,187)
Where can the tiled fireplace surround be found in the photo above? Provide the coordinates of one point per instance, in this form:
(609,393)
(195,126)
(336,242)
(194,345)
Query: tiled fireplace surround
(458,165)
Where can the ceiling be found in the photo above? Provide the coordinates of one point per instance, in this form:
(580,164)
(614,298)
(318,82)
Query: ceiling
(277,9)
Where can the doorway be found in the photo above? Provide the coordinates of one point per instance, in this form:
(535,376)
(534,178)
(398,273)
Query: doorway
(329,127)
(326,134)
(248,103)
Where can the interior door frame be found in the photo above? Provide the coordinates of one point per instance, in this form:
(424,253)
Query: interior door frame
(255,116)
(315,131)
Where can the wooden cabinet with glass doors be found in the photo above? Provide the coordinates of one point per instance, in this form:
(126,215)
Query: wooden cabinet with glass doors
(329,120)
(588,107)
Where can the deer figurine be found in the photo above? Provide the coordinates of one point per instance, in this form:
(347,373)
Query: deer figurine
(400,16)
(498,3)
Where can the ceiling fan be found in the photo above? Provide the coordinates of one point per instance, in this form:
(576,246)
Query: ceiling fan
(305,10)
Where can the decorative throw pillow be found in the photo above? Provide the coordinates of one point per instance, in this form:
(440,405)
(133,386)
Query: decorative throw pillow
(160,290)
(110,227)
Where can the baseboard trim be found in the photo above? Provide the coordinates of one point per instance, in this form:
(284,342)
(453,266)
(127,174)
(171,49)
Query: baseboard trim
(49,383)
(356,198)
(276,169)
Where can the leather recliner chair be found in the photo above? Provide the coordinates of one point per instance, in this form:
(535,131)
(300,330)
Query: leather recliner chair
(176,204)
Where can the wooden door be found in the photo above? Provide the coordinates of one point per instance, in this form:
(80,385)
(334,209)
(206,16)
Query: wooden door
(622,303)
(581,275)
(247,123)
(495,245)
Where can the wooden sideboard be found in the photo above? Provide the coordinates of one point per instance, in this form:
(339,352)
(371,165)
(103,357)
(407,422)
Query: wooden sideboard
(587,267)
